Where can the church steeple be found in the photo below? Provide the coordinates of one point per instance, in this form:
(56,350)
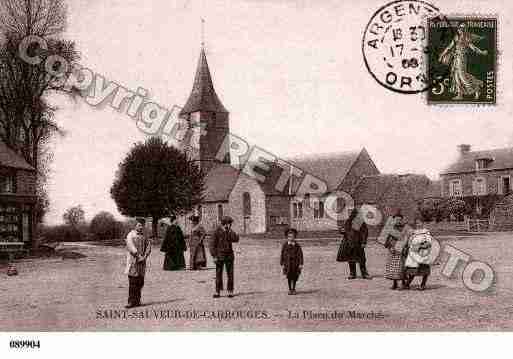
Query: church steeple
(203,97)
(208,121)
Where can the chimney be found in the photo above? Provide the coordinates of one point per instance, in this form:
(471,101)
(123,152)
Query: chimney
(464,149)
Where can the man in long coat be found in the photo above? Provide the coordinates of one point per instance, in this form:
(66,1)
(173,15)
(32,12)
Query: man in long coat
(138,246)
(174,246)
(222,252)
(352,248)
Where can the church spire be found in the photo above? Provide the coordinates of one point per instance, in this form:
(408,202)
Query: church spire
(203,97)
(202,33)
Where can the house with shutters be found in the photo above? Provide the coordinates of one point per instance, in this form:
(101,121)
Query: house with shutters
(479,177)
(17,197)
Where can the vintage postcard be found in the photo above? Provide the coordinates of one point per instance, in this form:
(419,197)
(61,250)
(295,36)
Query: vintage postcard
(243,165)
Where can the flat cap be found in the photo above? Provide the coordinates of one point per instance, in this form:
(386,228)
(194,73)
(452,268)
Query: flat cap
(226,220)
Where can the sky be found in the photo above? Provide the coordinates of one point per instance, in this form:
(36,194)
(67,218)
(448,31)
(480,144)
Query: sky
(291,73)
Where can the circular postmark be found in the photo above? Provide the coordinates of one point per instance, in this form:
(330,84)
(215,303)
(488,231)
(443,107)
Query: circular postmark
(395,44)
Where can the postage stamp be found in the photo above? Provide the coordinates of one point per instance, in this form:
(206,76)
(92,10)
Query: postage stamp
(395,43)
(464,66)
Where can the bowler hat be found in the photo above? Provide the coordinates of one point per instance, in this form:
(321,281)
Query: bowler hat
(291,230)
(226,220)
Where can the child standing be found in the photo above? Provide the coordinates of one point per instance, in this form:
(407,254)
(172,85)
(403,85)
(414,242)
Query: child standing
(291,259)
(419,255)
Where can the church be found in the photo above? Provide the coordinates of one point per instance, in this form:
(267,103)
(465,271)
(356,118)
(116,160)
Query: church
(260,206)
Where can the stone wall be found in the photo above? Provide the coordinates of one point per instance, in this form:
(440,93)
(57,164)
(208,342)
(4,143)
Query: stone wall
(308,222)
(277,206)
(491,177)
(502,215)
(256,222)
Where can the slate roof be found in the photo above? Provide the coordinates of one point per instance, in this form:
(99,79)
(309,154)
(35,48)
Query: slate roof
(388,192)
(502,158)
(9,158)
(219,182)
(331,168)
(203,95)
(372,189)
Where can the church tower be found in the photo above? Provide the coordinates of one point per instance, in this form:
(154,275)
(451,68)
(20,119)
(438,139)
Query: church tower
(207,119)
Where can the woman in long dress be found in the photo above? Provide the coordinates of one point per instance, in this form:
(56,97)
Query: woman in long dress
(455,55)
(198,258)
(174,246)
(394,267)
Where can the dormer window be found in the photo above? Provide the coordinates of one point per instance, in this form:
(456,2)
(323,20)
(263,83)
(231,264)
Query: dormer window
(483,163)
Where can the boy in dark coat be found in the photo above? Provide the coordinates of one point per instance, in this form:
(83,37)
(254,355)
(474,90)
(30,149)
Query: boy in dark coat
(291,259)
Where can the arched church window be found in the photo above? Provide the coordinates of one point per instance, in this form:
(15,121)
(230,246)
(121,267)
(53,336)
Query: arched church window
(246,204)
(219,212)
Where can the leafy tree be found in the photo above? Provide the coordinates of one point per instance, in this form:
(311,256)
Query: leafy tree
(74,216)
(454,206)
(104,226)
(156,180)
(430,209)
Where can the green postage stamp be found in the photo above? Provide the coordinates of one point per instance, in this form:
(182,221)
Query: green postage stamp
(462,60)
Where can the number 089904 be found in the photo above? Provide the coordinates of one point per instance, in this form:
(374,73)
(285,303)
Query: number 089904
(24,344)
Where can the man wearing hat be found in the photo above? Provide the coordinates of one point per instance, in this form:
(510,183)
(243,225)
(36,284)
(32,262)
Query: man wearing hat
(138,246)
(222,251)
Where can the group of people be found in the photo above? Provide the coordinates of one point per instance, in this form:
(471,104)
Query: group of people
(174,245)
(408,253)
(408,248)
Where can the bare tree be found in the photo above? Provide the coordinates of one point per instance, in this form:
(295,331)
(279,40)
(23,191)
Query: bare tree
(27,121)
(20,18)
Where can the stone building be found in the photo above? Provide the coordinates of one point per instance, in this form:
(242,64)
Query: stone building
(480,178)
(340,172)
(17,197)
(262,205)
